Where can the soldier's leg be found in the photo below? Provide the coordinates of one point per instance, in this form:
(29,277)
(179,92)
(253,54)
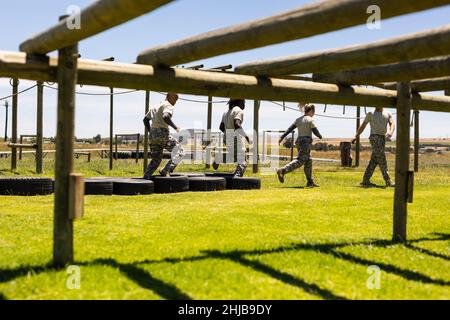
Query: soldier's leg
(381,159)
(372,163)
(177,153)
(156,155)
(240,157)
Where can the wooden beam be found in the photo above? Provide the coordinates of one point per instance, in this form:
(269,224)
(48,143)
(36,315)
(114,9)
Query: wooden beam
(111,126)
(63,225)
(447,92)
(39,127)
(430,43)
(146,140)
(416,141)
(15,99)
(435,84)
(309,20)
(402,161)
(217,84)
(99,16)
(405,71)
(256,106)
(208,132)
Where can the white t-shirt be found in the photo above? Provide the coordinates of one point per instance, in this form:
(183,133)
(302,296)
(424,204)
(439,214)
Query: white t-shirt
(304,125)
(228,117)
(156,114)
(378,121)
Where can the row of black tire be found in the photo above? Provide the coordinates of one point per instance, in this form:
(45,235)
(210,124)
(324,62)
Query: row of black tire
(135,186)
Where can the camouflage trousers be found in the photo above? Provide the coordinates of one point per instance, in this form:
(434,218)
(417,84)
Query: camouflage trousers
(236,152)
(378,157)
(160,139)
(304,158)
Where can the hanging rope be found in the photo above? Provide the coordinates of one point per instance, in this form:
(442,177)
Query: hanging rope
(196,101)
(12,95)
(96,93)
(318,115)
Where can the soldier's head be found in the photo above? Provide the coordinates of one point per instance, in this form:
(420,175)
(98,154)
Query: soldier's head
(379,109)
(236,103)
(172,98)
(310,109)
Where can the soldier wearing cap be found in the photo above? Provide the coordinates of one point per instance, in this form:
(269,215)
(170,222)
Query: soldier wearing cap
(235,136)
(160,138)
(379,121)
(305,126)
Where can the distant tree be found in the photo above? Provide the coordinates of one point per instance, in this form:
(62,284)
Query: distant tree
(97,138)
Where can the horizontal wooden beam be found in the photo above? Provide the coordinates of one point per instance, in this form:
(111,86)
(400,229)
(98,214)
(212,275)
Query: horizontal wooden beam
(313,19)
(436,84)
(405,71)
(98,17)
(206,83)
(22,145)
(430,43)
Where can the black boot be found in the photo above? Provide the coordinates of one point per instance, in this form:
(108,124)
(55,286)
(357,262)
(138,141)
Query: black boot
(311,184)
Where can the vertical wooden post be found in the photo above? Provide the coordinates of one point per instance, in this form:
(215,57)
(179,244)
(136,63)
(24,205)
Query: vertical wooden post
(14,123)
(358,140)
(447,92)
(292,145)
(416,141)
(208,133)
(111,129)
(137,147)
(146,142)
(63,225)
(256,107)
(116,156)
(402,161)
(39,126)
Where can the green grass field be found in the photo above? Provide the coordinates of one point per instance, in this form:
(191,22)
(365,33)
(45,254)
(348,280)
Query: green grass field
(281,242)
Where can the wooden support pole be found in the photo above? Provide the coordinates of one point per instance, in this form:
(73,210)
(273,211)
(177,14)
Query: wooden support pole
(138,141)
(99,16)
(417,69)
(63,225)
(39,127)
(146,139)
(402,161)
(256,107)
(206,83)
(15,99)
(111,127)
(309,20)
(358,140)
(420,45)
(416,141)
(447,92)
(208,132)
(435,84)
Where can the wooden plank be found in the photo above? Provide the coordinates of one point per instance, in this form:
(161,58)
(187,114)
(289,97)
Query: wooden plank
(402,161)
(358,140)
(22,145)
(208,132)
(146,139)
(309,20)
(418,69)
(39,127)
(410,186)
(111,127)
(216,84)
(63,225)
(99,16)
(420,45)
(256,107)
(436,84)
(15,99)
(416,141)
(76,196)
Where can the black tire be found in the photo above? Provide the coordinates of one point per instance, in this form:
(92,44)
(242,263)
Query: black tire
(98,186)
(26,186)
(207,184)
(170,184)
(132,187)
(188,174)
(227,176)
(244,183)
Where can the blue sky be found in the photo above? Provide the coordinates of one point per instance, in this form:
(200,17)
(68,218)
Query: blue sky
(180,19)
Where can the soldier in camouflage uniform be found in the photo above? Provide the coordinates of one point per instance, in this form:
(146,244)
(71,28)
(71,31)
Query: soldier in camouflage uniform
(379,120)
(306,127)
(160,138)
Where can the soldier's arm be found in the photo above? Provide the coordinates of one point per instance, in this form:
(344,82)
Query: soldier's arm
(287,132)
(391,126)
(222,127)
(147,123)
(359,131)
(238,125)
(167,117)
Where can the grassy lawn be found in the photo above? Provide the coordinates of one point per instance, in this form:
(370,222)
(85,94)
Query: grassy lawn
(280,242)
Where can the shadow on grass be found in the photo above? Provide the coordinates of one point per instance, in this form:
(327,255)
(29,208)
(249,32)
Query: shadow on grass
(2,297)
(168,291)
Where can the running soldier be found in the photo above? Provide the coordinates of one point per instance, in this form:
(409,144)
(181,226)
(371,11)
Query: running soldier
(160,138)
(379,120)
(305,126)
(235,136)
